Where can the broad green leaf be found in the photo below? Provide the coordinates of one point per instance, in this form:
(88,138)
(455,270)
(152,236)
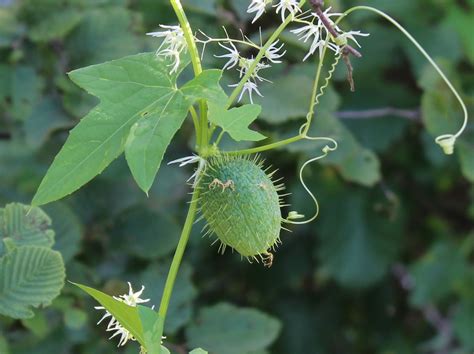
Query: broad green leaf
(150,324)
(235,121)
(184,292)
(152,133)
(127,315)
(466,152)
(129,88)
(30,276)
(26,226)
(227,329)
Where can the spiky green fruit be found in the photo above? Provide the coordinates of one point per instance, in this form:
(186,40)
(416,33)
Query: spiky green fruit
(241,205)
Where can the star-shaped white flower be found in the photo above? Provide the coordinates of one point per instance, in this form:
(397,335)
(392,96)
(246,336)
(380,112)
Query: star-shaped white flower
(258,6)
(249,87)
(287,5)
(131,299)
(233,56)
(174,43)
(273,52)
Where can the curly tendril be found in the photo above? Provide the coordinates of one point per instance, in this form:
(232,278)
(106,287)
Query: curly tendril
(294,215)
(446,141)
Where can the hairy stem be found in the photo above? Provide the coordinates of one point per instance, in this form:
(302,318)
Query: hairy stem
(177,258)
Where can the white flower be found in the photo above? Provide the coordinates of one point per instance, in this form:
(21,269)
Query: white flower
(350,35)
(233,55)
(131,299)
(190,160)
(174,43)
(246,63)
(258,6)
(272,53)
(320,36)
(249,87)
(287,5)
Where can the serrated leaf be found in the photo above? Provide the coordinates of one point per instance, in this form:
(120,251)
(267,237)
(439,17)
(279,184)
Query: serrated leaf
(235,121)
(128,88)
(29,277)
(26,226)
(226,329)
(127,315)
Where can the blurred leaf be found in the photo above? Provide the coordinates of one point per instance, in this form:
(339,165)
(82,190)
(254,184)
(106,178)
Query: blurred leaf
(47,116)
(436,273)
(10,29)
(198,351)
(357,243)
(461,20)
(226,329)
(103,34)
(29,276)
(25,90)
(288,97)
(146,234)
(55,26)
(75,318)
(464,324)
(126,315)
(26,226)
(38,325)
(465,149)
(4,345)
(68,229)
(184,292)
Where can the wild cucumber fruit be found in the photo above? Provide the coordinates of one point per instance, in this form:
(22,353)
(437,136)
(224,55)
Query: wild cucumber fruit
(241,205)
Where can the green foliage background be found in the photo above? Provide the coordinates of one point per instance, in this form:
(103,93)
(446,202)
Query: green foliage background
(388,266)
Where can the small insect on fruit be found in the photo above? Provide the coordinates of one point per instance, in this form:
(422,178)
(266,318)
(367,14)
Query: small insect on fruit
(241,205)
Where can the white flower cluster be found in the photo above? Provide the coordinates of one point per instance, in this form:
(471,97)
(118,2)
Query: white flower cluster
(172,46)
(282,7)
(314,29)
(131,299)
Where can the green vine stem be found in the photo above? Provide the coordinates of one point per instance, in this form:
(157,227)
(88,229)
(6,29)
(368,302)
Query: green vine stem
(446,141)
(177,258)
(202,137)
